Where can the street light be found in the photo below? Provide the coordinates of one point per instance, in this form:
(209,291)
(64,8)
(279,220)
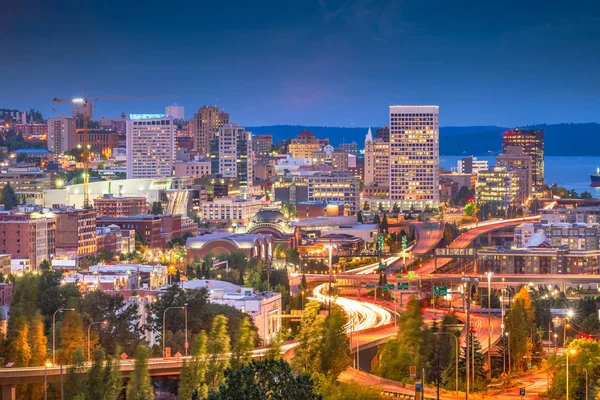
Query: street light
(54,332)
(586,378)
(105,322)
(569,316)
(330,247)
(571,351)
(46,365)
(186,333)
(469,281)
(489,279)
(457,354)
(164,323)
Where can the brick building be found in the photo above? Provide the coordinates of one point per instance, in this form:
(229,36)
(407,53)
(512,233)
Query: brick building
(113,206)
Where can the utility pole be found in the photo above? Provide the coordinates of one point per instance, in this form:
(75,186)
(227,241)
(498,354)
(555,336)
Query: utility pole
(469,281)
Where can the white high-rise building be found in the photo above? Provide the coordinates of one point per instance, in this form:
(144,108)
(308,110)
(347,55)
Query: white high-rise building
(235,156)
(414,156)
(150,146)
(62,135)
(176,111)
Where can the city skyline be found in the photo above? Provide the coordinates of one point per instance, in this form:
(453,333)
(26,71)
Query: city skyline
(310,63)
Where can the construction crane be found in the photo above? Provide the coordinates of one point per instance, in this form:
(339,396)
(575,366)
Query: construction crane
(86,145)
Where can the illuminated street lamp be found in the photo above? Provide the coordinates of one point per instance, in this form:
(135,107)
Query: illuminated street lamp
(164,323)
(54,332)
(46,366)
(105,322)
(569,351)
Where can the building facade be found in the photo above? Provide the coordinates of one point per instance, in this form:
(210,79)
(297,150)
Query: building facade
(28,238)
(532,143)
(194,169)
(28,183)
(514,158)
(205,125)
(150,146)
(499,186)
(227,210)
(76,232)
(62,134)
(231,154)
(471,165)
(176,111)
(101,141)
(377,162)
(118,206)
(261,145)
(414,155)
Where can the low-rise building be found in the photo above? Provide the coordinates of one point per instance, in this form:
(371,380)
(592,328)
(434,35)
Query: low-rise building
(227,210)
(252,245)
(313,209)
(23,237)
(264,308)
(28,182)
(76,233)
(110,205)
(197,168)
(576,215)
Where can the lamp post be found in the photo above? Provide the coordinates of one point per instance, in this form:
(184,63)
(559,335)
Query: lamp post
(571,351)
(54,331)
(586,378)
(566,323)
(164,323)
(489,279)
(457,354)
(186,332)
(469,281)
(105,322)
(46,365)
(330,247)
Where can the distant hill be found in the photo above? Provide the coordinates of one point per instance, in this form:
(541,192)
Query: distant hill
(569,139)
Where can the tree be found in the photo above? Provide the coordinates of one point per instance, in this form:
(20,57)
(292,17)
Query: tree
(395,208)
(157,208)
(268,379)
(9,198)
(96,379)
(384,226)
(520,325)
(409,347)
(244,344)
(113,380)
(192,381)
(17,349)
(75,383)
(218,344)
(323,345)
(359,217)
(140,385)
(71,337)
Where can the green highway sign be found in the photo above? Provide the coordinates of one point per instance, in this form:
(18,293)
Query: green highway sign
(440,290)
(370,286)
(387,286)
(402,285)
(399,276)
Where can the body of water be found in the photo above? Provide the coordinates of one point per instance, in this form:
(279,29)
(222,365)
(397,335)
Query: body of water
(569,172)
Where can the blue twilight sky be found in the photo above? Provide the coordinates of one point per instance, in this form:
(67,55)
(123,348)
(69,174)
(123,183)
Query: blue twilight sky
(312,62)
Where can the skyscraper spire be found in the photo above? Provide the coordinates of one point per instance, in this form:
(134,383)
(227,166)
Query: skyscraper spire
(369,137)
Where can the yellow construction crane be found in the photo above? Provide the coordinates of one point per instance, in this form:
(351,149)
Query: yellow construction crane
(86,145)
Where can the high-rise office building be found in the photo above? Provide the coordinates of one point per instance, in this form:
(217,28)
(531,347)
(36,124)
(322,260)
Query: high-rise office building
(176,111)
(150,146)
(515,159)
(231,154)
(377,161)
(383,133)
(498,186)
(62,134)
(414,155)
(532,143)
(205,126)
(262,144)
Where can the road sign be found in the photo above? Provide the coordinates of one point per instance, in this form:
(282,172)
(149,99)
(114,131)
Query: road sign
(504,375)
(440,290)
(402,285)
(522,392)
(528,365)
(412,275)
(399,276)
(387,286)
(413,371)
(404,243)
(370,286)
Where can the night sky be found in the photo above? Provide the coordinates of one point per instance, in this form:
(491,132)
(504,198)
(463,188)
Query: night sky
(311,62)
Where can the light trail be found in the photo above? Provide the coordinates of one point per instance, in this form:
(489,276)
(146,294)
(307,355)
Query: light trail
(371,268)
(361,315)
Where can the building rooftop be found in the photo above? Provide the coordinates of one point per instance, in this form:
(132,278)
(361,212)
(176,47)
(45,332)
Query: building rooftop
(33,151)
(241,240)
